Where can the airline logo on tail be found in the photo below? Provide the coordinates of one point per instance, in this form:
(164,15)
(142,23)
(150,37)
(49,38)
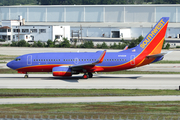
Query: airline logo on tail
(153,33)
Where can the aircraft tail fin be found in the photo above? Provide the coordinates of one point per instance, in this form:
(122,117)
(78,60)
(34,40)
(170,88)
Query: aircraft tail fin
(153,42)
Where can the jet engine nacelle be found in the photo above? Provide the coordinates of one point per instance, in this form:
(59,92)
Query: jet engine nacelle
(62,71)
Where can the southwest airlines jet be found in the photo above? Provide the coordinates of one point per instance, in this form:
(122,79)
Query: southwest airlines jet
(67,64)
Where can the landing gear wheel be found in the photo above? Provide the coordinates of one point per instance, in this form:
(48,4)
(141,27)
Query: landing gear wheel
(25,76)
(90,75)
(85,76)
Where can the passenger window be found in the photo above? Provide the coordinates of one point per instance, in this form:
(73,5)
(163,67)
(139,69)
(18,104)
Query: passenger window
(59,59)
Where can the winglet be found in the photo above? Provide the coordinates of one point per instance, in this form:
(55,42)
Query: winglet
(101,58)
(126,47)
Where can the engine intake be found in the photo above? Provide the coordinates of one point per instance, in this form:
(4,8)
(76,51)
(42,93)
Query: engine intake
(62,71)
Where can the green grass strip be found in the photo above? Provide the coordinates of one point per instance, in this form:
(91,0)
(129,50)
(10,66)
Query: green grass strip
(167,62)
(116,109)
(3,62)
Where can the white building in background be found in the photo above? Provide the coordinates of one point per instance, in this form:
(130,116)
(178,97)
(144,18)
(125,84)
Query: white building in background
(15,30)
(98,21)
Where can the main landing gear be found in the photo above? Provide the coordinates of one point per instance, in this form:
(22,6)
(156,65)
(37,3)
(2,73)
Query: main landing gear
(86,76)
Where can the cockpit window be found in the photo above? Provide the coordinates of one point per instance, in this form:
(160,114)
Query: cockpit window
(17,59)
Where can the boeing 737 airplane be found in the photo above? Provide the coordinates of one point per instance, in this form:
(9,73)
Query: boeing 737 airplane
(67,64)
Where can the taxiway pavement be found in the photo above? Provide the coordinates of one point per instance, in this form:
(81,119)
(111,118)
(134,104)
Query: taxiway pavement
(99,81)
(86,99)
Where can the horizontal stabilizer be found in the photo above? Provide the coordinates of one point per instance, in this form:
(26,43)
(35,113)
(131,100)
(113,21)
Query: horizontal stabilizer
(157,55)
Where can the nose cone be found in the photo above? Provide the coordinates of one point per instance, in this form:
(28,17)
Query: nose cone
(9,64)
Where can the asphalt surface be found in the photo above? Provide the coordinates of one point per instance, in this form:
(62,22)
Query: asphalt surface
(99,81)
(86,99)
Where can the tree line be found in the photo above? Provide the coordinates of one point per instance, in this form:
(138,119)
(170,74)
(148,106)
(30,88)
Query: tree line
(104,2)
(86,44)
(18,2)
(84,2)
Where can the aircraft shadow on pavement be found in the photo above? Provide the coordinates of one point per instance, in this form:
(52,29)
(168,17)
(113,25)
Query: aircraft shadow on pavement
(71,79)
(76,78)
(67,79)
(132,77)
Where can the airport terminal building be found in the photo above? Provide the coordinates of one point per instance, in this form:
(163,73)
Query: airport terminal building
(100,21)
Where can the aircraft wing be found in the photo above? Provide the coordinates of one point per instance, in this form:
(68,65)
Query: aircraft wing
(99,60)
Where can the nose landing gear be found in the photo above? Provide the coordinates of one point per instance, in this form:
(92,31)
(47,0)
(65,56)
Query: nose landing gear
(26,76)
